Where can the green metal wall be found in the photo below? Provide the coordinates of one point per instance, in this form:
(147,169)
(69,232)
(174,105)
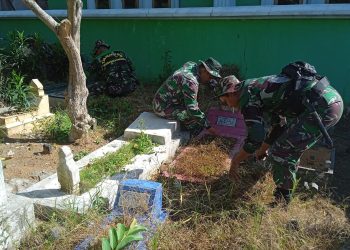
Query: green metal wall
(258,47)
(195,3)
(247,2)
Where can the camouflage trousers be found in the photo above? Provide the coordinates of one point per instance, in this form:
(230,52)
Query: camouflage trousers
(180,114)
(115,85)
(301,134)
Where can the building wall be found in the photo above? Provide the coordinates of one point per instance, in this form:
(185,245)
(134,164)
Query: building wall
(258,46)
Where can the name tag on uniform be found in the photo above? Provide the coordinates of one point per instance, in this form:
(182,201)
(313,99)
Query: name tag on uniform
(226,121)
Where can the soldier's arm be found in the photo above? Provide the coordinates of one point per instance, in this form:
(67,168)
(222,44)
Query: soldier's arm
(190,90)
(253,117)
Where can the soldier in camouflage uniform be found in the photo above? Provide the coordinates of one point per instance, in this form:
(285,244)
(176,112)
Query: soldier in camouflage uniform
(293,127)
(177,97)
(113,70)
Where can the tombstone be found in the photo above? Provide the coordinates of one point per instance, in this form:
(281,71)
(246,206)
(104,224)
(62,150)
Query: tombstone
(3,195)
(140,198)
(67,171)
(227,123)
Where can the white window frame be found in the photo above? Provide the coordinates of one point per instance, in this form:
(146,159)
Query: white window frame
(224,3)
(143,4)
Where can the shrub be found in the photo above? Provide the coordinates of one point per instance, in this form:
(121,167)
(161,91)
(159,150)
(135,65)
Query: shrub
(15,93)
(57,127)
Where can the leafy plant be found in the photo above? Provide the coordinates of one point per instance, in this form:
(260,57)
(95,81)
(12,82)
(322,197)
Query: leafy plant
(16,93)
(122,236)
(142,144)
(57,127)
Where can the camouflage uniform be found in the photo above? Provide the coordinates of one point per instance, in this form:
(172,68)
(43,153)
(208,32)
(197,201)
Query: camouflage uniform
(116,72)
(177,98)
(293,129)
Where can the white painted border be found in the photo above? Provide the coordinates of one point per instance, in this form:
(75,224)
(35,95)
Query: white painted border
(248,12)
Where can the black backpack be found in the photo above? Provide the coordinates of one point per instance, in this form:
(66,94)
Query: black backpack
(300,74)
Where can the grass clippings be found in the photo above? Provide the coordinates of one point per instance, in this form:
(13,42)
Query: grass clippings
(204,158)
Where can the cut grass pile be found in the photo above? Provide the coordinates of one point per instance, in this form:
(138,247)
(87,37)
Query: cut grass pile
(205,158)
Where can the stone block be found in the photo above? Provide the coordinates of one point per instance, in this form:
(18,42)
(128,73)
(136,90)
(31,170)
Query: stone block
(16,219)
(67,171)
(3,196)
(139,198)
(160,130)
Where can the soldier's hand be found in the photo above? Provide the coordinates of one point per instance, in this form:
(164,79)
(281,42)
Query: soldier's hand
(260,155)
(233,173)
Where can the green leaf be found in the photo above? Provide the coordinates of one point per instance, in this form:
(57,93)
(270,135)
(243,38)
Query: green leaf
(133,223)
(113,238)
(136,229)
(127,240)
(105,244)
(120,231)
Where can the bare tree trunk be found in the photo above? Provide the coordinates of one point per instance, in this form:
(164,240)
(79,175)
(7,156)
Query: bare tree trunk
(68,33)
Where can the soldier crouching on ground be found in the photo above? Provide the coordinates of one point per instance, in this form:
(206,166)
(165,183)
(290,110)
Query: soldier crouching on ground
(113,72)
(301,106)
(177,98)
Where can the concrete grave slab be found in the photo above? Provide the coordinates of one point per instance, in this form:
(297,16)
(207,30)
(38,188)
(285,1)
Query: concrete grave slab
(16,218)
(160,130)
(3,196)
(47,194)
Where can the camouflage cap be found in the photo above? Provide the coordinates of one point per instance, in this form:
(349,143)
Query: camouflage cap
(212,66)
(229,84)
(99,44)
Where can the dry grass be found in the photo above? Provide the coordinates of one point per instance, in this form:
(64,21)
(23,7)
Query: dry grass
(228,215)
(204,158)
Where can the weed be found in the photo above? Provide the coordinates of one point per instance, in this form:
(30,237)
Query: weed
(56,127)
(142,144)
(80,155)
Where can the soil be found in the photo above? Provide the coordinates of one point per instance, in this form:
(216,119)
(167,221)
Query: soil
(206,158)
(30,163)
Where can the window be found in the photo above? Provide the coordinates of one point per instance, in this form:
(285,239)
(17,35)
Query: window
(288,2)
(102,4)
(338,1)
(130,4)
(161,4)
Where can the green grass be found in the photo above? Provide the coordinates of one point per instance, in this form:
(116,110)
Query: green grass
(113,163)
(80,155)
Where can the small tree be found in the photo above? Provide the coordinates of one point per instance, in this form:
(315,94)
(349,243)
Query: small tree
(68,33)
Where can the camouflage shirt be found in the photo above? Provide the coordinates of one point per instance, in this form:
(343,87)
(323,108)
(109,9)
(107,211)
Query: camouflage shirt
(181,90)
(261,97)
